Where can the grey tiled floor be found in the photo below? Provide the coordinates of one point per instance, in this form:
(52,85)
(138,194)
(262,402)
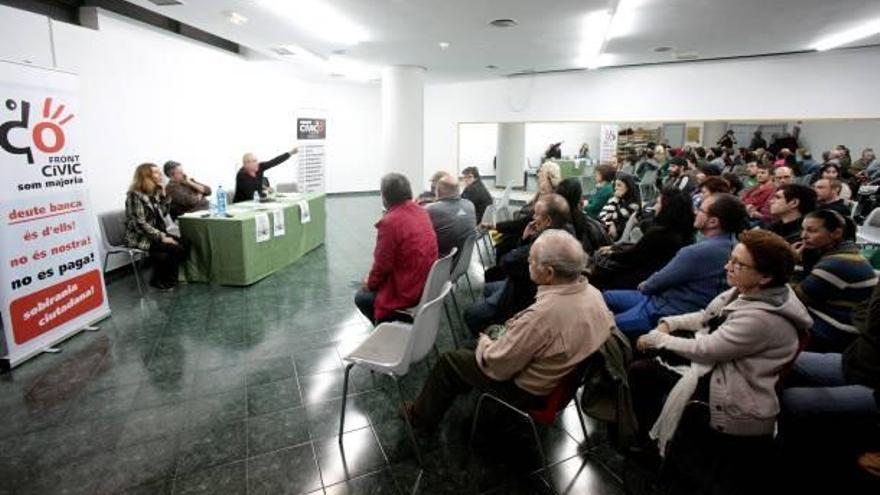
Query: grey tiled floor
(222,390)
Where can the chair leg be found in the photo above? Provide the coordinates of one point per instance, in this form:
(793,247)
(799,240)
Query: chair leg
(344,398)
(106,260)
(451,325)
(137,276)
(476,418)
(580,413)
(458,310)
(540,447)
(409,428)
(470,286)
(480,254)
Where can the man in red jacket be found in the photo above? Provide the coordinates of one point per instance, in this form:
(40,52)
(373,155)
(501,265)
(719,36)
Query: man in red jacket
(406,247)
(757,199)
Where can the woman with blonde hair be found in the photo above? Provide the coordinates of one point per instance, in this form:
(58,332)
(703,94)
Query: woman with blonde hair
(146,207)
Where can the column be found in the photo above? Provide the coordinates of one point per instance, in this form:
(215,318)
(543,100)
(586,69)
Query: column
(510,154)
(403,123)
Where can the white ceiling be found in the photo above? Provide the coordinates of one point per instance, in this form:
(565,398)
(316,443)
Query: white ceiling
(547,37)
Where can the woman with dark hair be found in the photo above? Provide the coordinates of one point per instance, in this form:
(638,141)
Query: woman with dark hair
(832,170)
(146,207)
(836,278)
(624,203)
(624,266)
(587,230)
(728,357)
(736,185)
(604,190)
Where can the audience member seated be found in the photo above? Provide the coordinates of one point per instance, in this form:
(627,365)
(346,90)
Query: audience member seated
(736,185)
(757,198)
(709,186)
(250,180)
(475,191)
(588,230)
(453,218)
(828,196)
(865,165)
(691,279)
(525,360)
(783,175)
(185,194)
(678,177)
(430,195)
(790,204)
(549,176)
(508,289)
(604,190)
(808,165)
(146,207)
(831,398)
(727,356)
(832,171)
(406,247)
(750,179)
(836,278)
(624,203)
(624,266)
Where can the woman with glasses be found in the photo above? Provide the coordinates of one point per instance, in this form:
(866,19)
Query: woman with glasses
(728,357)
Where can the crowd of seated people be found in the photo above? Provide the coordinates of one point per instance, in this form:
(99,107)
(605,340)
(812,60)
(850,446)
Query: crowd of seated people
(745,305)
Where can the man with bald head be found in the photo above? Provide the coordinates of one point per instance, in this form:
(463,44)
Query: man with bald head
(525,359)
(509,289)
(250,176)
(453,218)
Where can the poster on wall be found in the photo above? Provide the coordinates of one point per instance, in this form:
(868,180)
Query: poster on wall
(311,133)
(50,267)
(608,143)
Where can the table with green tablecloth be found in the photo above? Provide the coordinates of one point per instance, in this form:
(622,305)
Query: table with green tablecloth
(226,251)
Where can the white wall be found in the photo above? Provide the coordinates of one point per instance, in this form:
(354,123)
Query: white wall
(540,135)
(854,134)
(824,88)
(477,146)
(150,95)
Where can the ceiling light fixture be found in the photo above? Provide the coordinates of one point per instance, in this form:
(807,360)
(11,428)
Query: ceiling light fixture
(593,34)
(848,36)
(351,69)
(319,19)
(624,22)
(503,23)
(301,54)
(443,45)
(235,17)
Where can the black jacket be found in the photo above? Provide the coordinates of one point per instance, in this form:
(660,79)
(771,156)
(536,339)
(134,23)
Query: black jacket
(246,186)
(477,194)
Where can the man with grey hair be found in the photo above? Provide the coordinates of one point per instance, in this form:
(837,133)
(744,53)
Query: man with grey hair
(535,349)
(250,179)
(454,218)
(186,194)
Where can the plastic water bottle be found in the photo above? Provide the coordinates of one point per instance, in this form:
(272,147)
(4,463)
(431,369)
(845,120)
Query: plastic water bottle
(221,201)
(256,196)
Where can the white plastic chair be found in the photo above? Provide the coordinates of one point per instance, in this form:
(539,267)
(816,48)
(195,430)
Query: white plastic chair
(390,350)
(869,231)
(484,239)
(502,211)
(440,274)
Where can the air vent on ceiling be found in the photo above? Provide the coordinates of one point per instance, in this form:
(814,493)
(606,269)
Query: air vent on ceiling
(503,23)
(166,3)
(663,49)
(283,51)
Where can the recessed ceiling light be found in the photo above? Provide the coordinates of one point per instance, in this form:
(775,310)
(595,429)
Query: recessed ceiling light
(503,23)
(339,52)
(663,49)
(235,17)
(845,37)
(166,3)
(491,67)
(443,45)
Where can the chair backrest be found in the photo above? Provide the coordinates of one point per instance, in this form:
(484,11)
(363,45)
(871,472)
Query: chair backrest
(287,187)
(505,198)
(113,228)
(230,195)
(464,259)
(489,216)
(561,395)
(437,278)
(425,327)
(873,219)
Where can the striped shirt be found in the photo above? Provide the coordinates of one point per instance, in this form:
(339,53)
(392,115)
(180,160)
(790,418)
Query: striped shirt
(837,283)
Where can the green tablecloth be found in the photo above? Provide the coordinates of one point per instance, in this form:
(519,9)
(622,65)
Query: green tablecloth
(574,168)
(225,250)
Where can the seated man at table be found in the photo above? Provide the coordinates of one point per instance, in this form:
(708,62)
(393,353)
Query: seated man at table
(250,176)
(406,247)
(453,218)
(525,360)
(475,191)
(186,194)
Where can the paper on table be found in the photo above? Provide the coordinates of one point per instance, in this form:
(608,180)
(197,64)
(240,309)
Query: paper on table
(264,232)
(304,214)
(278,222)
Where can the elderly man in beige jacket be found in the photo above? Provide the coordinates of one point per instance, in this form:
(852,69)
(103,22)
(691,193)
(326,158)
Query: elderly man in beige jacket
(536,348)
